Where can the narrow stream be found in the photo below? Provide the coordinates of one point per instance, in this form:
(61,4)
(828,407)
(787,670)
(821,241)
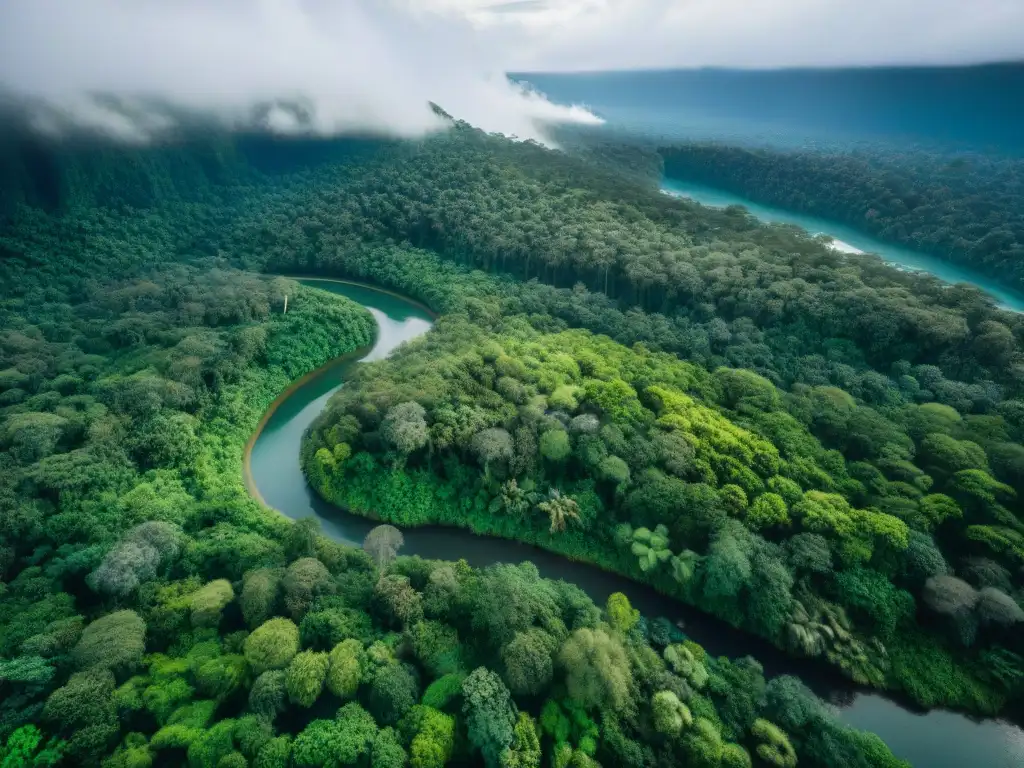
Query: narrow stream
(935,739)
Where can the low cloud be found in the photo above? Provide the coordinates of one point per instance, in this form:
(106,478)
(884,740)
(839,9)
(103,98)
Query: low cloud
(133,68)
(625,34)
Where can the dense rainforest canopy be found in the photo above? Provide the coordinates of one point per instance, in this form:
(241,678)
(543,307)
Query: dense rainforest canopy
(813,446)
(967,208)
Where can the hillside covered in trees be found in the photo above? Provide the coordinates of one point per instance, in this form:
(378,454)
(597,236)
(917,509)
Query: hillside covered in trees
(966,208)
(820,449)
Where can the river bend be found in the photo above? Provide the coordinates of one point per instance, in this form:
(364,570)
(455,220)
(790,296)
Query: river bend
(935,739)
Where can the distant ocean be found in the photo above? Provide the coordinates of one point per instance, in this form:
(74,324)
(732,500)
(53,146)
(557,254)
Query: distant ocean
(973,109)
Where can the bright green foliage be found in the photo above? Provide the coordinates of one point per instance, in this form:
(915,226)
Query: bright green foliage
(437,647)
(650,548)
(614,470)
(322,630)
(703,744)
(434,742)
(554,445)
(221,676)
(209,602)
(347,661)
(126,401)
(561,510)
(304,678)
(736,687)
(685,664)
(669,715)
(398,601)
(773,745)
(734,499)
(443,691)
(233,760)
(525,751)
(567,720)
(621,615)
(555,722)
(24,748)
(212,745)
(735,756)
(388,751)
(513,499)
(665,453)
(184,726)
(596,668)
(275,753)
(346,740)
(741,387)
(565,398)
(882,605)
(130,757)
(252,733)
(272,645)
(768,511)
(934,510)
(490,714)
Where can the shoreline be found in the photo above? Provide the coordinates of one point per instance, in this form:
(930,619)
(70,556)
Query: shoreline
(864,714)
(349,357)
(845,238)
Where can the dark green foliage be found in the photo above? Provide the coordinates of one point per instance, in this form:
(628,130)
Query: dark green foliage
(268,695)
(490,714)
(394,689)
(736,688)
(153,613)
(967,209)
(260,594)
(782,512)
(873,596)
(322,630)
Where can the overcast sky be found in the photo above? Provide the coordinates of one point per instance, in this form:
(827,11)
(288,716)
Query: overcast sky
(373,64)
(614,34)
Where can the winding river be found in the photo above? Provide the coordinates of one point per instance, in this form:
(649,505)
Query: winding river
(851,240)
(936,739)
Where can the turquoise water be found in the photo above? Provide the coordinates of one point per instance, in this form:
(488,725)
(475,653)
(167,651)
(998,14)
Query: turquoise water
(847,237)
(937,109)
(945,108)
(935,739)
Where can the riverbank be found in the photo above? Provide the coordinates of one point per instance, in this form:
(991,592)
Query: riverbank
(937,738)
(317,373)
(850,240)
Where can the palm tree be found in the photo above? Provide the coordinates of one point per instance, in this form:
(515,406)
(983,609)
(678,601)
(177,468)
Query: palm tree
(560,509)
(514,499)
